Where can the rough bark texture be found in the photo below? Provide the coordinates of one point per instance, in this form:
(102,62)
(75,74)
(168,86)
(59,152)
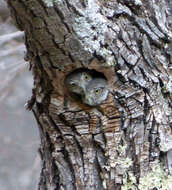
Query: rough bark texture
(130,42)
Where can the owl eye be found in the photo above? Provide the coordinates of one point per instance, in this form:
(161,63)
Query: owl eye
(87,77)
(73,85)
(97,91)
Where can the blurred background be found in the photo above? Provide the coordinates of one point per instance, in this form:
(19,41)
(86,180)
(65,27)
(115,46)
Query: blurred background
(19,137)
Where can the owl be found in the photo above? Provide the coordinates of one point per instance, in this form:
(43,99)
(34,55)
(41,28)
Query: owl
(95,92)
(77,81)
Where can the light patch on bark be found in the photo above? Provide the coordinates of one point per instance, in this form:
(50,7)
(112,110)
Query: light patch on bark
(138,2)
(91,28)
(158,178)
(169,161)
(160,15)
(166,138)
(40,95)
(168,86)
(50,3)
(110,60)
(129,181)
(104,184)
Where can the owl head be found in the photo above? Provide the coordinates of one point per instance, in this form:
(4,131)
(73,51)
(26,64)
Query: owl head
(95,92)
(77,81)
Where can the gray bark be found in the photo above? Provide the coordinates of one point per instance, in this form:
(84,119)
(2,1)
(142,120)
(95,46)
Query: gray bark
(130,42)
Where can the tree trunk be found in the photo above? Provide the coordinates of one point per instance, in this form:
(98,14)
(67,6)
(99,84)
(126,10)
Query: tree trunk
(130,43)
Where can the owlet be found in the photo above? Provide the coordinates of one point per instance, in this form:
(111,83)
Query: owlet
(96,92)
(77,81)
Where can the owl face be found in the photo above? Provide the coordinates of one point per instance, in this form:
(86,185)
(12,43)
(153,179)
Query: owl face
(76,82)
(96,92)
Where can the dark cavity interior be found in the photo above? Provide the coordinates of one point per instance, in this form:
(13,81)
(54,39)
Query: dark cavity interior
(94,73)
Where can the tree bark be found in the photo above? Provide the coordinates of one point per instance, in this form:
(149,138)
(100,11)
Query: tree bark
(130,42)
